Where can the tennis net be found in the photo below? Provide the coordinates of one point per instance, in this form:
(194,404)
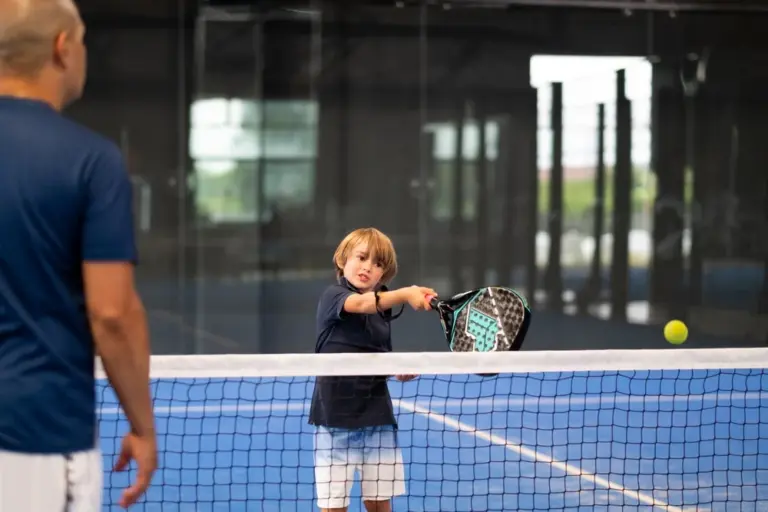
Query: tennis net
(679,429)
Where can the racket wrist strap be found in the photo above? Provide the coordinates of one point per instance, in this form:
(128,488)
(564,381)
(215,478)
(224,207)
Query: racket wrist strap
(382,313)
(402,308)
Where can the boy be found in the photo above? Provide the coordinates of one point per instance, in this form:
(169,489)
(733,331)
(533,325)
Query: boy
(354,416)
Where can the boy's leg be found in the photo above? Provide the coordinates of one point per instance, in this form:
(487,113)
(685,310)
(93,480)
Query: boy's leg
(382,473)
(335,465)
(378,506)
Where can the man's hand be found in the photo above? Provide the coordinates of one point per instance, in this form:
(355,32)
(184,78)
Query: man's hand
(142,449)
(405,378)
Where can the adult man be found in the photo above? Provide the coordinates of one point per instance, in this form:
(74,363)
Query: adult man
(66,276)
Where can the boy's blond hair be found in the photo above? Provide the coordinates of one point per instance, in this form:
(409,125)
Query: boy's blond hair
(379,246)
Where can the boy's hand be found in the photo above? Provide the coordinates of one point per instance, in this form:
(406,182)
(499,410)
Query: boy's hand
(417,297)
(405,378)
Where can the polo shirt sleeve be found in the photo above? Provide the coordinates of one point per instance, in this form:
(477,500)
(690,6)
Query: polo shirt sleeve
(331,307)
(108,225)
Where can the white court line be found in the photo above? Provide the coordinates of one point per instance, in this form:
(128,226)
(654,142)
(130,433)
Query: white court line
(216,409)
(574,400)
(536,456)
(468,403)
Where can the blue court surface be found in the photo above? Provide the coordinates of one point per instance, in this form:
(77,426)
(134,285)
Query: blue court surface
(648,440)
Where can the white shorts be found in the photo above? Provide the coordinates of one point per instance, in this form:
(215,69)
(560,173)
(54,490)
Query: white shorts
(372,451)
(51,483)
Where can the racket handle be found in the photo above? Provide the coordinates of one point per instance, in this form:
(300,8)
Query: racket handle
(432,301)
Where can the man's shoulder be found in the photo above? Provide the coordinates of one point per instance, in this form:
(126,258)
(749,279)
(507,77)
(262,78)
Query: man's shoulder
(65,127)
(90,154)
(55,130)
(87,139)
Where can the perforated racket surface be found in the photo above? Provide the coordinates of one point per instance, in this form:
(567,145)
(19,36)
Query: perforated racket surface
(488,319)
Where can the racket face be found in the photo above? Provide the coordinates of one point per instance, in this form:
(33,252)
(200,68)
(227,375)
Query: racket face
(485,320)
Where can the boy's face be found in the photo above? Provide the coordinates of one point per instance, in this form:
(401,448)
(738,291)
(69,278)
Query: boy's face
(361,269)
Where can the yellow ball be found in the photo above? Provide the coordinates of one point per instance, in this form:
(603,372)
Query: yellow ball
(676,332)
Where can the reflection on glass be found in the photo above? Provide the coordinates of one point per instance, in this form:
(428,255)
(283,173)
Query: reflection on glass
(587,82)
(252,159)
(251,198)
(444,155)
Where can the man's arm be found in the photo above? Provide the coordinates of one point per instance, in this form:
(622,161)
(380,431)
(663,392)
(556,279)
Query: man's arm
(117,318)
(116,314)
(119,326)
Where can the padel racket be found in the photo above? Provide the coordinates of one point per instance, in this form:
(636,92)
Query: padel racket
(491,319)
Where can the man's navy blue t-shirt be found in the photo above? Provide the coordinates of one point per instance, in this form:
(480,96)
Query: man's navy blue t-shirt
(65,198)
(350,402)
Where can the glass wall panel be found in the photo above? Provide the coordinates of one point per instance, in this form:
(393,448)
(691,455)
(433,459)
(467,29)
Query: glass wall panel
(492,143)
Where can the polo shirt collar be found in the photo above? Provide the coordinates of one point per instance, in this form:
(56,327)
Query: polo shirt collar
(345,283)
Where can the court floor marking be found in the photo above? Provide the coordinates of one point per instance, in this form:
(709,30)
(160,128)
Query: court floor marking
(536,456)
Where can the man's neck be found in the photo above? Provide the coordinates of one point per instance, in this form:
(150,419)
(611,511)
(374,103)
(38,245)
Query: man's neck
(30,90)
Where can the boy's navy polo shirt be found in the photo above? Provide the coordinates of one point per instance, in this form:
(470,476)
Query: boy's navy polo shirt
(350,402)
(65,198)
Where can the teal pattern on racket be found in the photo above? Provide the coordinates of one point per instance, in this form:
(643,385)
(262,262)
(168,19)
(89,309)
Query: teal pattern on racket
(483,329)
(489,319)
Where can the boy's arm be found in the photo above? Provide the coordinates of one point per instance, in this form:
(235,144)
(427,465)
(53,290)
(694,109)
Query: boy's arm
(365,303)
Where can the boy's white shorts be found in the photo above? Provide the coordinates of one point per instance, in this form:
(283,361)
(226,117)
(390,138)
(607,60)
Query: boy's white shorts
(372,451)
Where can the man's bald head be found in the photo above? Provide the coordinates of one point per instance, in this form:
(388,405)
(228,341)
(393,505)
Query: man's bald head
(28,31)
(41,41)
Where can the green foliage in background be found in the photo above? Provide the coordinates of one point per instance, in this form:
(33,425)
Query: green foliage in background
(579,194)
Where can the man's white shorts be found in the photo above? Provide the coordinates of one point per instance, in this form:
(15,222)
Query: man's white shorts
(372,451)
(51,483)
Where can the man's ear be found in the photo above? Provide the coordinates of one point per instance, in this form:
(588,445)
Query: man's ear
(61,49)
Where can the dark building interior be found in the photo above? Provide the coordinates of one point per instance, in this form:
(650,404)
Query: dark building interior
(259,133)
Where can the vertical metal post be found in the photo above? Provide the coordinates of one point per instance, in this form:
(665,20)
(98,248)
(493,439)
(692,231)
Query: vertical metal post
(622,202)
(483,198)
(457,205)
(554,277)
(532,192)
(424,171)
(198,266)
(594,283)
